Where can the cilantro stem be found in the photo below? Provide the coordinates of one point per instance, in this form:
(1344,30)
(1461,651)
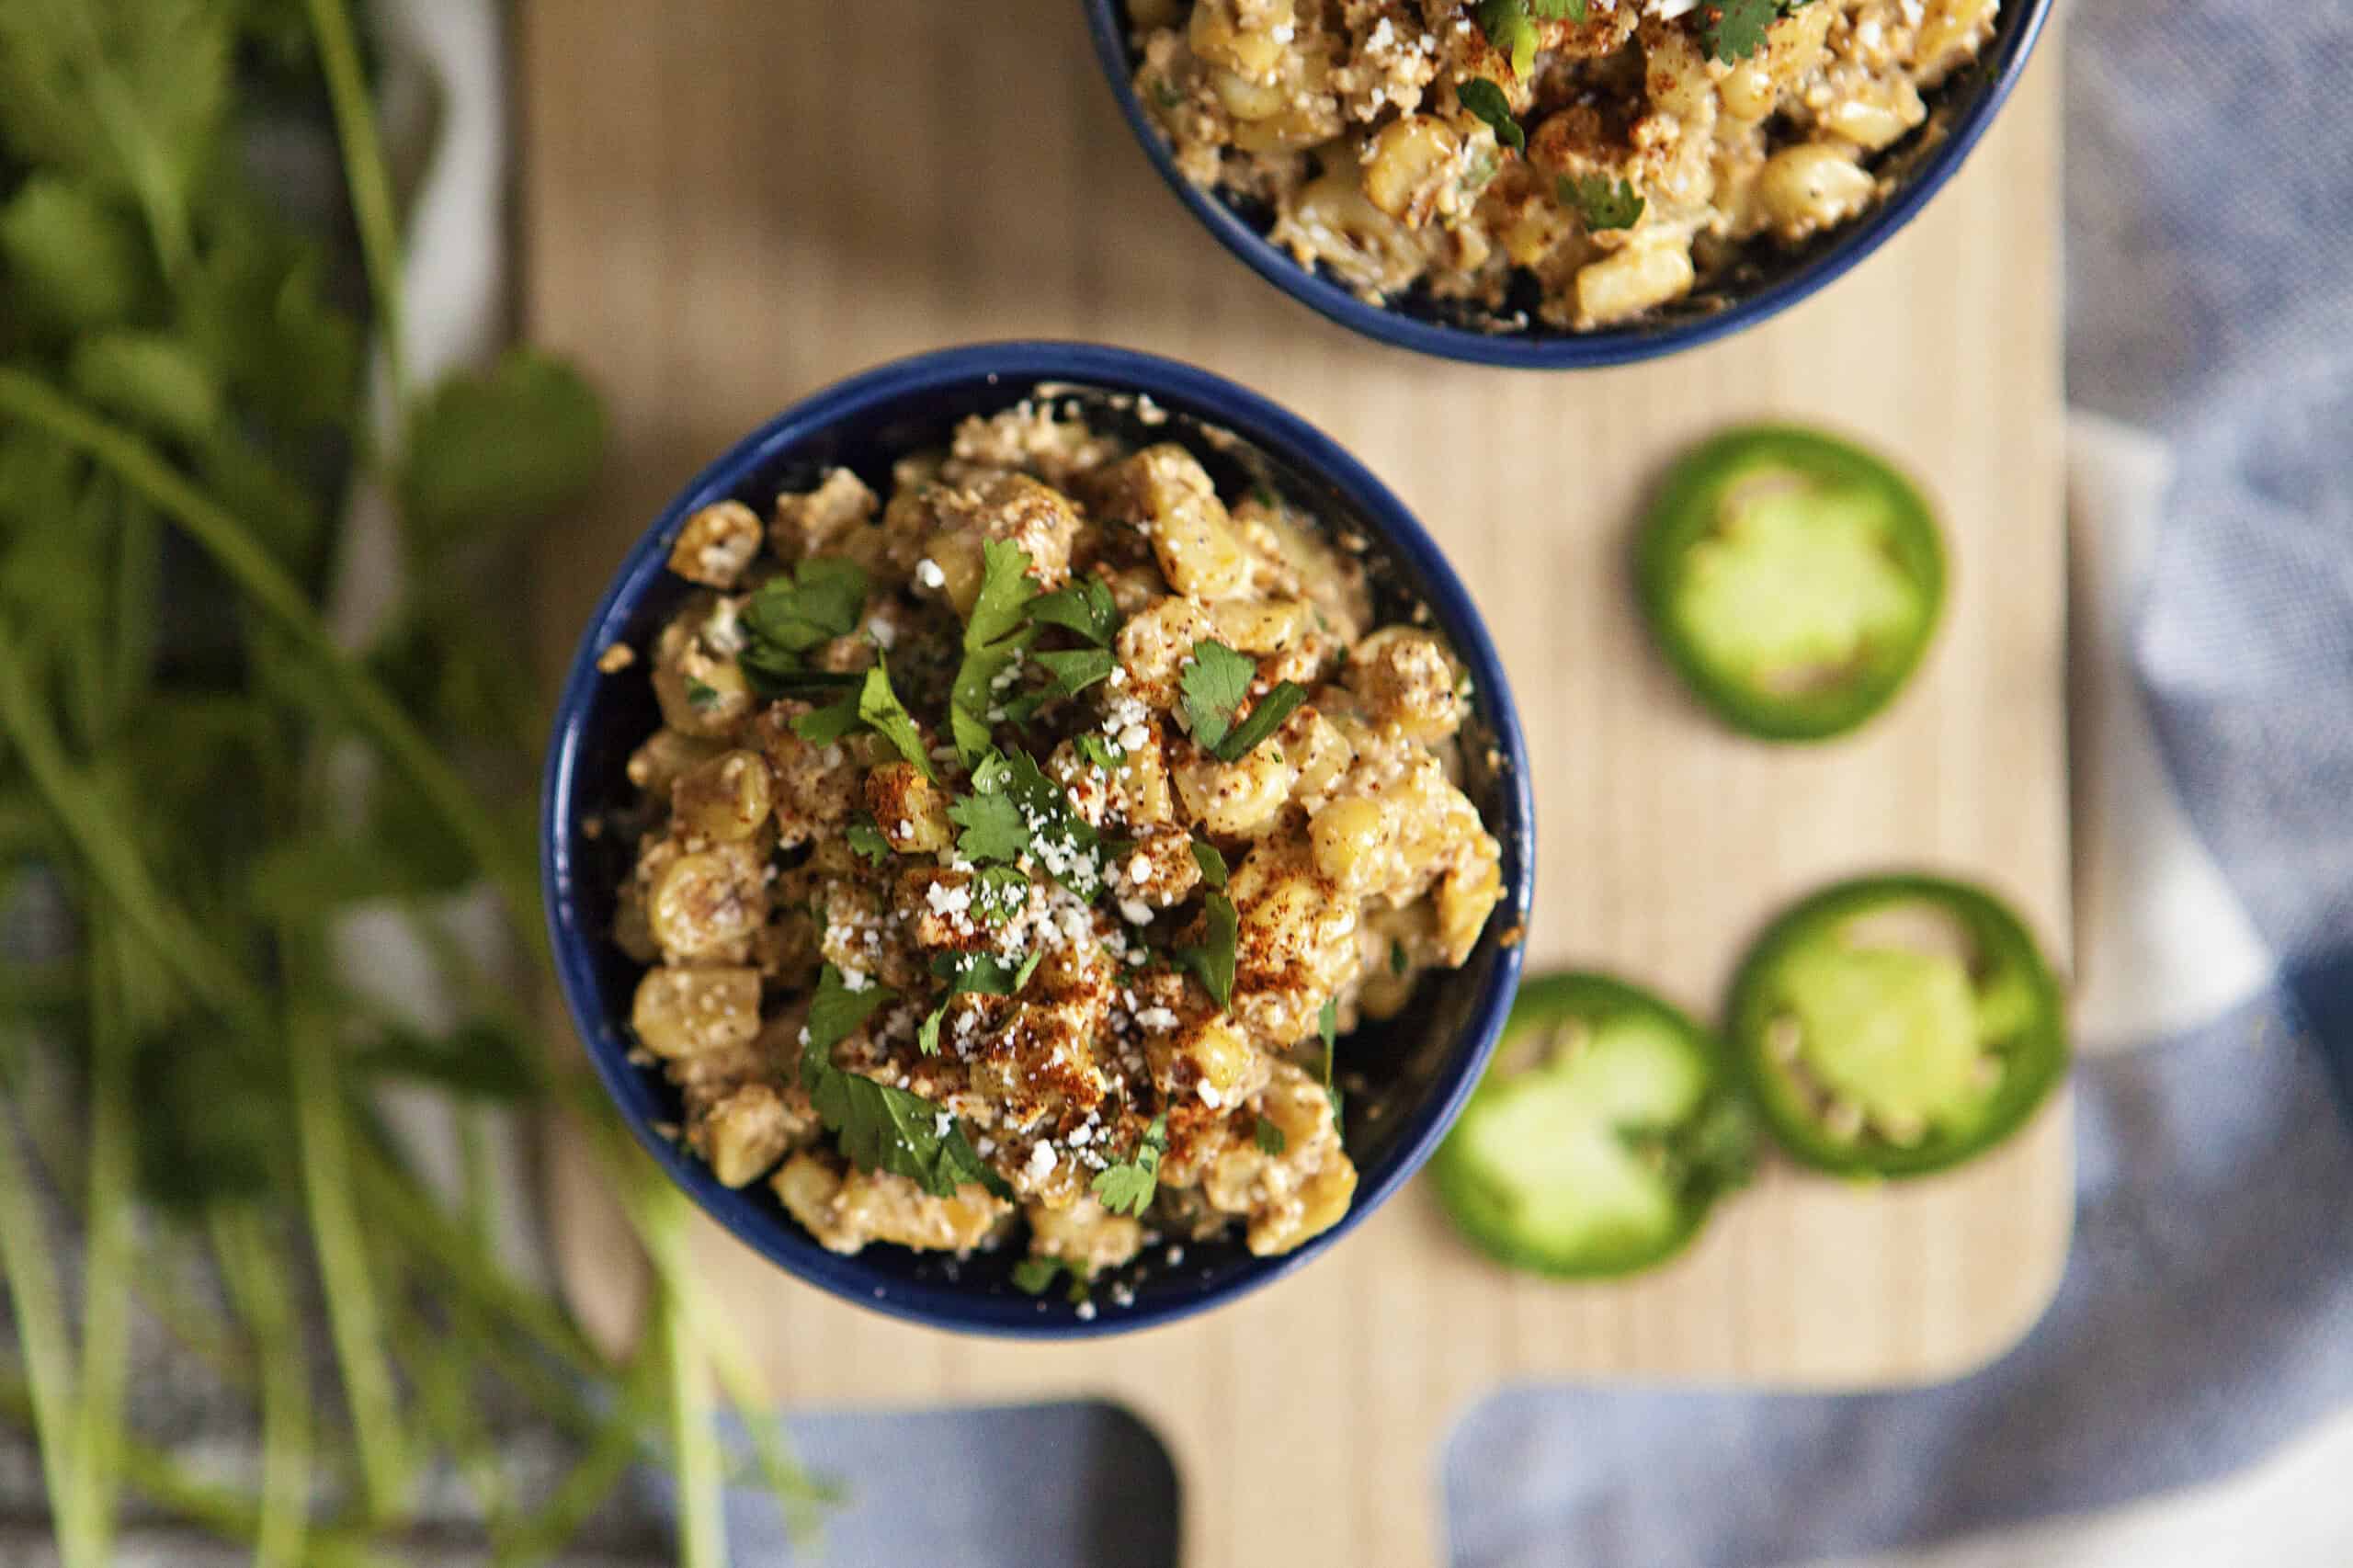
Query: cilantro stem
(158,1477)
(694,1440)
(473,1164)
(40,1313)
(369,177)
(577,1498)
(105,1323)
(659,1215)
(355,1316)
(256,1277)
(76,804)
(391,1201)
(504,858)
(23,828)
(162,1290)
(443,1364)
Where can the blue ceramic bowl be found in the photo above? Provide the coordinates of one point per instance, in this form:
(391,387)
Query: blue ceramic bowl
(1770,280)
(1418,1067)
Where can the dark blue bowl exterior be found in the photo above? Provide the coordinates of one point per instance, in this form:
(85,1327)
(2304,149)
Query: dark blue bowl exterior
(600,719)
(1789,277)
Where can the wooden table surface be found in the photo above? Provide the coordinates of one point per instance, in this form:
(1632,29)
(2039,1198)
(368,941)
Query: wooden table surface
(730,206)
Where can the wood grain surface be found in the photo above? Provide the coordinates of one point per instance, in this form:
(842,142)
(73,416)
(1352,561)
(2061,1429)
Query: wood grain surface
(729,203)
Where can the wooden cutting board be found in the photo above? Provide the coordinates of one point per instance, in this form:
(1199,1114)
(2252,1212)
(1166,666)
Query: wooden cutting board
(729,203)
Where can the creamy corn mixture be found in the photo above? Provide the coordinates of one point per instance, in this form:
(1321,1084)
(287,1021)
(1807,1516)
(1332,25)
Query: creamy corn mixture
(1054,931)
(1347,119)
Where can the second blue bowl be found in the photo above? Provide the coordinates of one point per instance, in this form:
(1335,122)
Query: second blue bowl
(1771,280)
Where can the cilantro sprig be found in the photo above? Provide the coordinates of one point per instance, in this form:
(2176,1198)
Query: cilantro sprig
(1216,684)
(182,414)
(880,1127)
(1127,1188)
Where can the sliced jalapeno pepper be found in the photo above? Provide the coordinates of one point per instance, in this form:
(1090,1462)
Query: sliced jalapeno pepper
(1600,1137)
(1895,1026)
(1794,580)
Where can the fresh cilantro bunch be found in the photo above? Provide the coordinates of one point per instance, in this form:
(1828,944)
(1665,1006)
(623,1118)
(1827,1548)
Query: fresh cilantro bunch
(201,781)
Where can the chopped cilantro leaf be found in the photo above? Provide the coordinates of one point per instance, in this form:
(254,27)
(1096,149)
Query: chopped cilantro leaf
(867,839)
(1265,720)
(994,638)
(1006,591)
(1511,27)
(1036,1276)
(1212,959)
(1510,31)
(1092,747)
(879,707)
(823,726)
(1215,681)
(822,600)
(993,829)
(1734,29)
(1269,1137)
(1213,864)
(1075,671)
(882,1128)
(876,707)
(1127,1188)
(1083,607)
(927,1034)
(1396,958)
(998,893)
(990,773)
(1598,203)
(984,974)
(837,1012)
(1486,100)
(1063,841)
(774,672)
(968,730)
(702,698)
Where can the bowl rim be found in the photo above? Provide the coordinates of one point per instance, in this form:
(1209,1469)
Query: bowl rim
(1591,350)
(1188,389)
